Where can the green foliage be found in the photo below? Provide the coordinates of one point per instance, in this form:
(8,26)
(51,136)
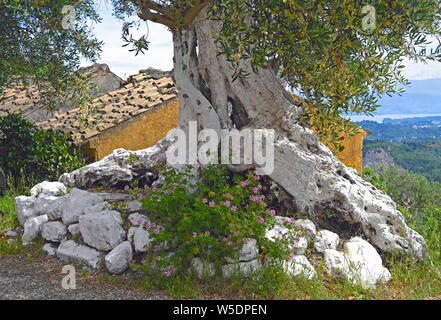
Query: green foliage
(323,51)
(422,158)
(418,199)
(213,221)
(29,151)
(37,49)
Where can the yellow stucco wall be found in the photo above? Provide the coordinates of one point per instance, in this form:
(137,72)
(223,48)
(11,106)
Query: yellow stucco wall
(139,133)
(150,127)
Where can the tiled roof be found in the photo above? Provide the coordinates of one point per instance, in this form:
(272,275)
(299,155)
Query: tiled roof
(141,93)
(27,102)
(19,100)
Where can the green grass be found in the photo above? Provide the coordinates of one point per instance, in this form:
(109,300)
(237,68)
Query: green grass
(9,219)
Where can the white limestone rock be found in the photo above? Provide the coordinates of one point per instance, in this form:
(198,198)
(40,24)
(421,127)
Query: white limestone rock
(141,240)
(24,207)
(102,206)
(102,230)
(316,179)
(50,205)
(50,249)
(117,261)
(299,246)
(135,218)
(131,235)
(326,239)
(297,266)
(202,268)
(74,229)
(306,225)
(244,268)
(248,252)
(54,231)
(360,263)
(366,261)
(76,202)
(32,228)
(46,188)
(70,251)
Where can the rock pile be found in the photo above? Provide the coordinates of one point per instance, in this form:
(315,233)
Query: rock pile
(84,227)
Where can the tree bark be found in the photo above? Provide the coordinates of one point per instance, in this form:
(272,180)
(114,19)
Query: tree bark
(320,186)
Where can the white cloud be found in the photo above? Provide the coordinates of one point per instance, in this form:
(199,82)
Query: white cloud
(125,63)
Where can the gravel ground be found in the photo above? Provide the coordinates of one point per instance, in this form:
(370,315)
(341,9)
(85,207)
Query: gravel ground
(41,278)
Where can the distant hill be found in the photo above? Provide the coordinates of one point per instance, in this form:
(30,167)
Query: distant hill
(404,130)
(423,158)
(422,96)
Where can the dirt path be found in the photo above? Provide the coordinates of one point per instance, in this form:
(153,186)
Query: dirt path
(41,278)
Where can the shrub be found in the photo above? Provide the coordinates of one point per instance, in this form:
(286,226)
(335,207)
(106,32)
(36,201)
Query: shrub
(28,151)
(210,219)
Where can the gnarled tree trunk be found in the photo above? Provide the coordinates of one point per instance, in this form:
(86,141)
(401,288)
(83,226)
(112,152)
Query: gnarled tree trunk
(320,186)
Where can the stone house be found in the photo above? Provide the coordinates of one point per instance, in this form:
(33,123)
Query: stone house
(132,115)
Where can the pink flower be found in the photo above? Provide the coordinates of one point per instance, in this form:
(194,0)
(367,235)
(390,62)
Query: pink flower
(292,255)
(256,178)
(126,188)
(139,222)
(245,240)
(155,249)
(207,233)
(204,200)
(244,183)
(225,239)
(195,234)
(227,203)
(259,186)
(146,187)
(168,191)
(167,273)
(272,212)
(156,231)
(234,208)
(255,190)
(261,220)
(147,225)
(297,239)
(211,204)
(229,243)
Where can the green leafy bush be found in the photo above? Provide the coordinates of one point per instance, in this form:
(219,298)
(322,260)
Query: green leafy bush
(28,151)
(213,221)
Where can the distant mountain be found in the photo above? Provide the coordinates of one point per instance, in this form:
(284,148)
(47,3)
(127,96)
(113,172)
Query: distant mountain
(422,96)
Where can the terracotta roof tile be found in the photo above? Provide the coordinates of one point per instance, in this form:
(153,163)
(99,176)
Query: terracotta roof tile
(140,94)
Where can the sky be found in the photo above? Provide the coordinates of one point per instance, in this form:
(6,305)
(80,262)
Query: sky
(160,54)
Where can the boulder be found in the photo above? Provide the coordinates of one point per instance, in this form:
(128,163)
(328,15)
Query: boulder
(244,268)
(135,218)
(326,239)
(76,202)
(366,261)
(117,261)
(74,229)
(32,228)
(24,207)
(141,240)
(102,229)
(54,231)
(306,225)
(46,188)
(360,263)
(70,251)
(202,268)
(248,252)
(298,265)
(50,205)
(50,249)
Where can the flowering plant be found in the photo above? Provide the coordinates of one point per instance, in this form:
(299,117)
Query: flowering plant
(213,222)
